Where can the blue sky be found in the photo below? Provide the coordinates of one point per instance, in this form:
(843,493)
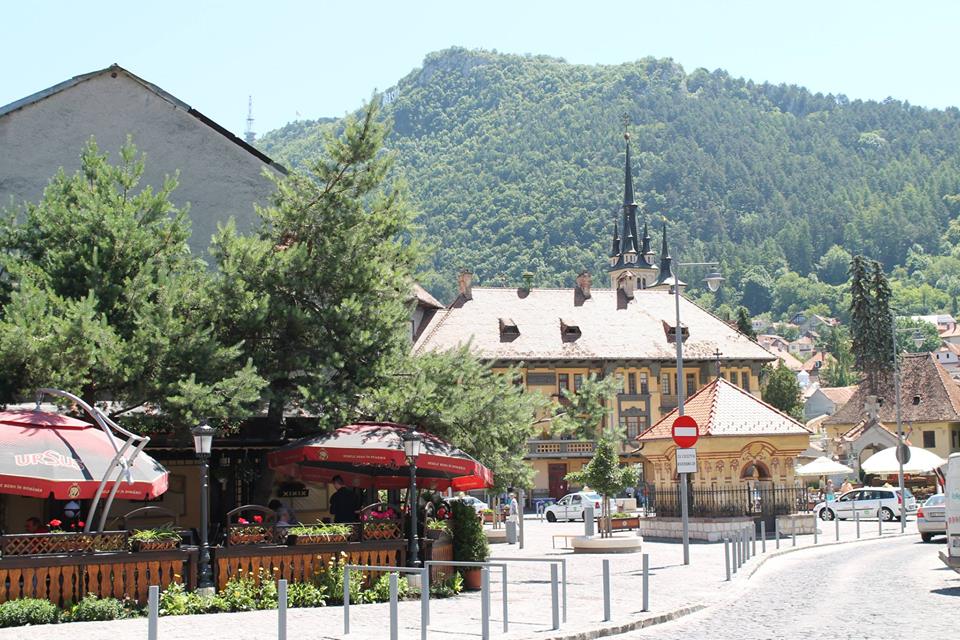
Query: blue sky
(310,59)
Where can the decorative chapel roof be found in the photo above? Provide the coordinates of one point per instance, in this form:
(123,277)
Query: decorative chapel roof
(724,409)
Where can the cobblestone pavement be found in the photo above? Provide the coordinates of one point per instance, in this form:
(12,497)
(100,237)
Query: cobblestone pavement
(673,586)
(883,589)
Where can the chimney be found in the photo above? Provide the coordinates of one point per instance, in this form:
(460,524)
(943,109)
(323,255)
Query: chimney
(627,283)
(583,283)
(465,283)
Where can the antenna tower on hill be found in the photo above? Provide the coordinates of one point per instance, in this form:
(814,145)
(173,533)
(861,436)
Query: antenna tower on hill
(249,135)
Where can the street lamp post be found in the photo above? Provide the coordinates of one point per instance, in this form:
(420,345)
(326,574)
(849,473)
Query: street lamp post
(713,280)
(202,443)
(918,340)
(411,447)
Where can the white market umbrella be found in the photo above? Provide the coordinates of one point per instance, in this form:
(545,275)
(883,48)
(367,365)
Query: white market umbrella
(885,462)
(823,466)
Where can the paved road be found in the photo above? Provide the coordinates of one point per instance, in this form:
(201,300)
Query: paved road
(883,590)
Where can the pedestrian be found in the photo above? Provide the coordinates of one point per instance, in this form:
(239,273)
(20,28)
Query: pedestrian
(514,508)
(846,486)
(343,502)
(830,491)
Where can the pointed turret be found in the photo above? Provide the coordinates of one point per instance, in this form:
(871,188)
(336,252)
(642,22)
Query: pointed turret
(666,278)
(627,177)
(646,253)
(627,244)
(615,247)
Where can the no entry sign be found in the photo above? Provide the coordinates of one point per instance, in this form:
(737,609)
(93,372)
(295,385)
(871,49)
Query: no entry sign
(685,432)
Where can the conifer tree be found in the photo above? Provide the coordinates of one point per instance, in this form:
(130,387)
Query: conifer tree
(743,324)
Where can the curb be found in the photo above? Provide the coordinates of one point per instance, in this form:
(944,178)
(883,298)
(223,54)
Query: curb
(670,616)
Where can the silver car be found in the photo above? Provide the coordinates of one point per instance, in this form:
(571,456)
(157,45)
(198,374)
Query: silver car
(931,518)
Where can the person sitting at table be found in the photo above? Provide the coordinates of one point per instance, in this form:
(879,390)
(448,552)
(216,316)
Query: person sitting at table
(35,525)
(286,517)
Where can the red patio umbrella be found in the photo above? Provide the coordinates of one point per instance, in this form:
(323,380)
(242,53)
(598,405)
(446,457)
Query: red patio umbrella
(370,454)
(44,453)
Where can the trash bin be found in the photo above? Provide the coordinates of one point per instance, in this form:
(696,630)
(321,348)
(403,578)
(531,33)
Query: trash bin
(511,531)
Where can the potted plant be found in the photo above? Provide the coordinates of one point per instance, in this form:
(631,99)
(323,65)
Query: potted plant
(162,538)
(436,529)
(380,523)
(245,532)
(621,521)
(469,542)
(487,516)
(318,533)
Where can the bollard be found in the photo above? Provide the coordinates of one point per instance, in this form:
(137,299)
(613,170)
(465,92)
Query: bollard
(554,597)
(394,615)
(726,556)
(606,591)
(282,610)
(745,540)
(346,600)
(563,583)
(794,538)
(484,603)
(425,602)
(856,517)
(879,525)
(753,541)
(646,582)
(511,530)
(153,606)
(503,594)
(836,520)
(776,532)
(815,527)
(763,536)
(733,554)
(588,521)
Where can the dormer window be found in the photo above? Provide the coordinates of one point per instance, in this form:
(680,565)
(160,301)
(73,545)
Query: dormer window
(569,330)
(509,330)
(916,400)
(671,332)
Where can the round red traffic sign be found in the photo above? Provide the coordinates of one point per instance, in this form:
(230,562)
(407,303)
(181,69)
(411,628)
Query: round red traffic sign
(685,432)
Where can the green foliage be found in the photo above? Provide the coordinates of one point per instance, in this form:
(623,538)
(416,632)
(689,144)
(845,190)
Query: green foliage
(92,608)
(305,594)
(832,267)
(330,581)
(783,392)
(24,611)
(907,328)
(101,296)
(175,600)
(515,164)
(583,410)
(320,528)
(156,534)
(838,371)
(469,542)
(380,590)
(871,320)
(318,295)
(246,592)
(456,397)
(743,324)
(446,587)
(438,525)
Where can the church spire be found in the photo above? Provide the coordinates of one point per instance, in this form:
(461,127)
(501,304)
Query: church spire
(646,254)
(615,248)
(626,247)
(628,177)
(666,264)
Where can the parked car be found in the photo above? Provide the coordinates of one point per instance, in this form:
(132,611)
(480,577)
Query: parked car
(573,506)
(868,502)
(477,504)
(932,518)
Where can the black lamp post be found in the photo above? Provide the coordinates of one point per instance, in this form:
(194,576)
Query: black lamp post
(202,443)
(411,447)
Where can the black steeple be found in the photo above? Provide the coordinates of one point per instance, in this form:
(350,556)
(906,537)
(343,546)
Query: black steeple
(627,177)
(615,248)
(645,251)
(665,259)
(629,244)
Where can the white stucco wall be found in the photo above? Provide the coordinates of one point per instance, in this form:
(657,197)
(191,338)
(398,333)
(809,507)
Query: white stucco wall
(218,177)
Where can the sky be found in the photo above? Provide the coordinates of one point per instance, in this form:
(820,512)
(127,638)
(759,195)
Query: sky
(303,60)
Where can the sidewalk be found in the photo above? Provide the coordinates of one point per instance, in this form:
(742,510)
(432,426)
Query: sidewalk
(675,589)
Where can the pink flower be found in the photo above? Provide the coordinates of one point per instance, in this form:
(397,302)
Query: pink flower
(242,521)
(258,519)
(54,523)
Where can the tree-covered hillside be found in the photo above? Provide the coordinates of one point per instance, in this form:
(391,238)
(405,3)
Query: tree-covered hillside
(516,164)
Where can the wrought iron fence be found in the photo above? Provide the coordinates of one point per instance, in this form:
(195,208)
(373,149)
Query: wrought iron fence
(746,501)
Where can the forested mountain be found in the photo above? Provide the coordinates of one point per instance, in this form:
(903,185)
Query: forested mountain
(516,163)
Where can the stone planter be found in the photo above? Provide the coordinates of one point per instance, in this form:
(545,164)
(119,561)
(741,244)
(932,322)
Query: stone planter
(596,544)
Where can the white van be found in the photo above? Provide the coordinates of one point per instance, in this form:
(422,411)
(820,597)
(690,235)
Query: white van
(951,557)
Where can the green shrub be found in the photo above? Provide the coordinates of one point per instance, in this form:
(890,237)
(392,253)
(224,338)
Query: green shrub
(304,594)
(331,581)
(446,587)
(175,600)
(17,613)
(321,529)
(92,608)
(157,534)
(242,593)
(469,542)
(380,591)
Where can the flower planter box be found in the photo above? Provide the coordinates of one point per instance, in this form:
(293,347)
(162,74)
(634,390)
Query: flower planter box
(237,538)
(295,539)
(154,545)
(381,530)
(436,534)
(625,524)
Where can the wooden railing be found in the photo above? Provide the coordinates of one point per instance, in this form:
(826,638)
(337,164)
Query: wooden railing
(300,563)
(64,579)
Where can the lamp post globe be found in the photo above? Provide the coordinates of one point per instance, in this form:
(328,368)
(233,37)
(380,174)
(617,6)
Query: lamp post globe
(714,280)
(918,338)
(203,435)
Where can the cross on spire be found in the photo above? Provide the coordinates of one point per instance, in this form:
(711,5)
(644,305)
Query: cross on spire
(716,354)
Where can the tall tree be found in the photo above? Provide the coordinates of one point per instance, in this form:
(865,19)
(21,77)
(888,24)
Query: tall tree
(838,372)
(582,410)
(102,298)
(881,323)
(783,392)
(604,475)
(318,295)
(455,396)
(744,325)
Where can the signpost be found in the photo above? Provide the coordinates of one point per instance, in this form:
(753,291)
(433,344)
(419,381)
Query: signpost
(685,434)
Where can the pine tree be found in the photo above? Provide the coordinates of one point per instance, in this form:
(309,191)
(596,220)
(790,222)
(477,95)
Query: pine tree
(881,324)
(783,392)
(860,318)
(744,325)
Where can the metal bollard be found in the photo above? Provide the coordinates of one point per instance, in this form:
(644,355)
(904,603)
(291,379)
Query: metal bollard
(856,517)
(153,607)
(815,529)
(425,602)
(503,594)
(726,556)
(484,603)
(753,541)
(745,538)
(734,563)
(346,600)
(588,521)
(606,591)
(763,536)
(563,584)
(879,525)
(776,532)
(646,582)
(554,597)
(282,610)
(836,526)
(394,613)
(794,538)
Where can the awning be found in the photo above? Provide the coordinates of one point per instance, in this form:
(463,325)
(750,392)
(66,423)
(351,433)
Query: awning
(823,466)
(885,462)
